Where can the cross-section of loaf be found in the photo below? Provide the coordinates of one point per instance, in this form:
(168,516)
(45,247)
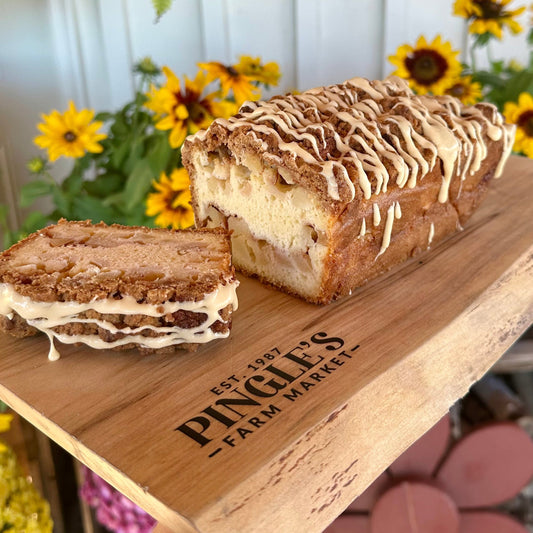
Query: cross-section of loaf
(119,287)
(326,189)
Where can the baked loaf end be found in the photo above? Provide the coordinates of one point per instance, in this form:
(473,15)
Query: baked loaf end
(119,287)
(329,188)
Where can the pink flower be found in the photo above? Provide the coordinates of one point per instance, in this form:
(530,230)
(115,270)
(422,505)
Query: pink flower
(113,510)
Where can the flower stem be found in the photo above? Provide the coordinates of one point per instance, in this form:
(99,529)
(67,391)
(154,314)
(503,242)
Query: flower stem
(489,54)
(472,59)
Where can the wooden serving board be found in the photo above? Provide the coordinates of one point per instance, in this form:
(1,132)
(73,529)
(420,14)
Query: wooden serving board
(279,427)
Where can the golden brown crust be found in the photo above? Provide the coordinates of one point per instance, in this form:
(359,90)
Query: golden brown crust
(110,279)
(411,232)
(81,262)
(360,149)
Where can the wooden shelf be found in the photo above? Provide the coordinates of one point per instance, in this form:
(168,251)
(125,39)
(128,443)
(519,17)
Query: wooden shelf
(324,398)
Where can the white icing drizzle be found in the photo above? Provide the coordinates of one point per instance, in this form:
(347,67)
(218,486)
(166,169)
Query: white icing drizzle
(397,210)
(44,316)
(363,228)
(355,132)
(431,234)
(387,232)
(377,215)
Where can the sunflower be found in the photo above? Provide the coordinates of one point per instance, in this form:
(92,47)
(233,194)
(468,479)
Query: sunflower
(431,67)
(521,114)
(231,80)
(69,134)
(488,16)
(171,204)
(468,91)
(268,74)
(187,111)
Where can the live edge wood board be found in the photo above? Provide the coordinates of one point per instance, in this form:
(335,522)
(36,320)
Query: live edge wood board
(281,426)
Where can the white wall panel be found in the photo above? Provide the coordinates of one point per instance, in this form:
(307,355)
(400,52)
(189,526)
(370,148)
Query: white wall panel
(176,40)
(308,38)
(55,50)
(30,84)
(264,29)
(66,52)
(214,21)
(116,50)
(345,37)
(89,35)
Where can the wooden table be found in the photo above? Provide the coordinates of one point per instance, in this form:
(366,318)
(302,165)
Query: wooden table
(281,426)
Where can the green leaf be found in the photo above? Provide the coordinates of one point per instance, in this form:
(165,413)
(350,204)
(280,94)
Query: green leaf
(119,127)
(116,199)
(87,207)
(530,37)
(482,39)
(135,154)
(104,185)
(119,154)
(175,160)
(73,183)
(34,221)
(140,99)
(520,82)
(161,7)
(33,190)
(104,116)
(488,78)
(3,214)
(9,236)
(159,154)
(62,202)
(497,66)
(139,219)
(138,185)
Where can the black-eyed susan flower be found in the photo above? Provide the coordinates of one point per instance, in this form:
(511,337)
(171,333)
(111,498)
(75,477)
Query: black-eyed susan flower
(185,111)
(171,204)
(521,114)
(468,91)
(231,80)
(488,16)
(428,67)
(69,134)
(268,74)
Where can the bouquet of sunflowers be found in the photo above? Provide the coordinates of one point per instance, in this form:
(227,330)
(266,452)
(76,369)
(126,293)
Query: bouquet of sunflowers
(127,165)
(434,68)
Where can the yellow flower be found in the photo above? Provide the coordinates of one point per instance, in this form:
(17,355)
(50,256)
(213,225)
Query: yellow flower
(231,80)
(521,114)
(268,74)
(5,422)
(468,91)
(69,134)
(488,16)
(172,201)
(429,67)
(187,111)
(21,506)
